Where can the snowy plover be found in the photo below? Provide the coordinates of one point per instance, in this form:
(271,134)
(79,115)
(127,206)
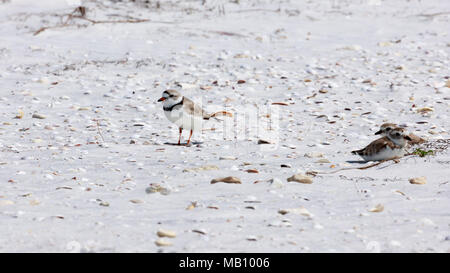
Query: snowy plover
(385,128)
(185,113)
(390,146)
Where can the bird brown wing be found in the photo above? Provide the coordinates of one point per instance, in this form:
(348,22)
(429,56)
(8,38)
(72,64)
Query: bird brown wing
(193,109)
(375,146)
(415,140)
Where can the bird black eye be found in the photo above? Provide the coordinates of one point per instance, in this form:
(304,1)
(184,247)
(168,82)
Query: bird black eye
(397,134)
(388,129)
(171,96)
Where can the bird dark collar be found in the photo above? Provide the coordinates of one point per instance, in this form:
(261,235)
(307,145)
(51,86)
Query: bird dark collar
(171,107)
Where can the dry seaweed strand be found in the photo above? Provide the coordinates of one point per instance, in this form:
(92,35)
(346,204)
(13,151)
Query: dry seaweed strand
(80,13)
(99,131)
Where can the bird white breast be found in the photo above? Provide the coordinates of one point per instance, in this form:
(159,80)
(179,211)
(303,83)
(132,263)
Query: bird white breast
(184,120)
(386,153)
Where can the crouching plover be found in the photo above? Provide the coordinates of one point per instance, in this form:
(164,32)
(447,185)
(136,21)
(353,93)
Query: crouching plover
(385,128)
(185,113)
(390,146)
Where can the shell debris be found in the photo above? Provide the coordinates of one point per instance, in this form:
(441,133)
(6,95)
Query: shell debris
(228,179)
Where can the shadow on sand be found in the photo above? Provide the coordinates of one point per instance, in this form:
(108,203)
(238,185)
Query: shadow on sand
(183,144)
(356,161)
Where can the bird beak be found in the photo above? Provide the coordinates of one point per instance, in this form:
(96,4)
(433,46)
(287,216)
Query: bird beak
(377,133)
(162,99)
(408,138)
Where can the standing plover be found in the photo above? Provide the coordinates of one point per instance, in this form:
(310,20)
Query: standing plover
(385,128)
(185,113)
(390,146)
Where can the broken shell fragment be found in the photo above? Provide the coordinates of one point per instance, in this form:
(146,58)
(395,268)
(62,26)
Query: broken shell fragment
(19,115)
(162,243)
(377,208)
(300,178)
(424,110)
(418,180)
(166,233)
(313,155)
(263,141)
(202,168)
(38,116)
(299,211)
(280,103)
(6,202)
(323,160)
(192,205)
(154,187)
(227,158)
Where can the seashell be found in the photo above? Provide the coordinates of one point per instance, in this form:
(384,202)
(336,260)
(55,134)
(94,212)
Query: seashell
(384,44)
(280,103)
(313,155)
(160,242)
(166,233)
(418,180)
(192,205)
(6,202)
(424,110)
(318,226)
(298,211)
(187,86)
(202,168)
(275,183)
(20,114)
(44,80)
(38,116)
(323,160)
(351,47)
(227,158)
(104,204)
(427,222)
(264,141)
(311,173)
(377,208)
(34,202)
(200,231)
(154,187)
(205,87)
(228,179)
(240,55)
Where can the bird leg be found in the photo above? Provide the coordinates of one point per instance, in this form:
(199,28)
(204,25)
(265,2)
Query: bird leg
(189,140)
(179,138)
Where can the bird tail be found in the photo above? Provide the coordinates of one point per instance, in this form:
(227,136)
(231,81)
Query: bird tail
(357,152)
